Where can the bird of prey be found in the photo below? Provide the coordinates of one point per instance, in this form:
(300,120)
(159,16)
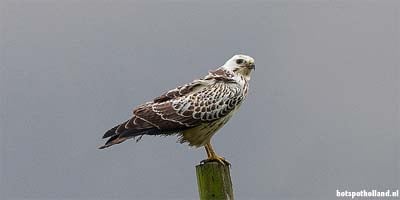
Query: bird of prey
(194,112)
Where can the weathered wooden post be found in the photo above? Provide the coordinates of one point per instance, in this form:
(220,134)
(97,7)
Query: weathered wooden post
(214,181)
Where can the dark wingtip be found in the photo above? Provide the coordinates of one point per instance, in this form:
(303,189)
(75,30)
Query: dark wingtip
(110,132)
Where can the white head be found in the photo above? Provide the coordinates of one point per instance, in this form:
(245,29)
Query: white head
(241,65)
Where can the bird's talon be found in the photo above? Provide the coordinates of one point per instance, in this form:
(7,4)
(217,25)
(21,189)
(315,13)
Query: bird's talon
(221,160)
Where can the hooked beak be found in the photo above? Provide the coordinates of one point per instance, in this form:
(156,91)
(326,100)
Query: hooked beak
(251,66)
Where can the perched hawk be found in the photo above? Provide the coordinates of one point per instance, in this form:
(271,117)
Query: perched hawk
(194,112)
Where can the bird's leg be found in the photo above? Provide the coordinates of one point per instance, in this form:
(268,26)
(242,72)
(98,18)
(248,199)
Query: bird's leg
(208,152)
(212,156)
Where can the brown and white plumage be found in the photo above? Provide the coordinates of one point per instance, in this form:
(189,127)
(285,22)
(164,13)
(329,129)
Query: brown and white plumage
(194,111)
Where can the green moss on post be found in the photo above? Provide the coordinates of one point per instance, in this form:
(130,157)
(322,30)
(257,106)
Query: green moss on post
(214,181)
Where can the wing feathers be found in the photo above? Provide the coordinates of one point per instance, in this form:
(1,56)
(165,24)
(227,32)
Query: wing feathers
(110,132)
(185,107)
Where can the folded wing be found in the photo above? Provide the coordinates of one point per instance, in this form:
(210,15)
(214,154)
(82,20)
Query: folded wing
(179,109)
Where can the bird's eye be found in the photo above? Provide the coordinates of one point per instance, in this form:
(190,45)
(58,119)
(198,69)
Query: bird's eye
(239,61)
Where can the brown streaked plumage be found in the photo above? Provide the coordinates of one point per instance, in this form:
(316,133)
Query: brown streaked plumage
(195,111)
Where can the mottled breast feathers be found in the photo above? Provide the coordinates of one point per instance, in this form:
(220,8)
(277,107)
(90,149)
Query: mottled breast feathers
(195,111)
(202,101)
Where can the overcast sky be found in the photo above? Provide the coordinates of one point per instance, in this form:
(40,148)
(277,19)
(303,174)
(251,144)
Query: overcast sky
(322,113)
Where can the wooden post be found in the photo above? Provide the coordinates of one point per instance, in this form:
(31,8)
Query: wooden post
(214,181)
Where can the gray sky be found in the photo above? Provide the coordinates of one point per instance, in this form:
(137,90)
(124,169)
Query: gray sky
(322,113)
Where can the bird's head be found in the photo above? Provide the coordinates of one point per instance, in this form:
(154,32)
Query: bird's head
(241,65)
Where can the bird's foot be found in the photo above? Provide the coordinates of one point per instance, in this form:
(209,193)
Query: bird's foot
(216,159)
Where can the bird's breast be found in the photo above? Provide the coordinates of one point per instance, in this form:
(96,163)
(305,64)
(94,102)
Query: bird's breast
(200,135)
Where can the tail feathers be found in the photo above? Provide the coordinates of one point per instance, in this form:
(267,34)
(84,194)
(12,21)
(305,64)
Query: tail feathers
(116,138)
(113,140)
